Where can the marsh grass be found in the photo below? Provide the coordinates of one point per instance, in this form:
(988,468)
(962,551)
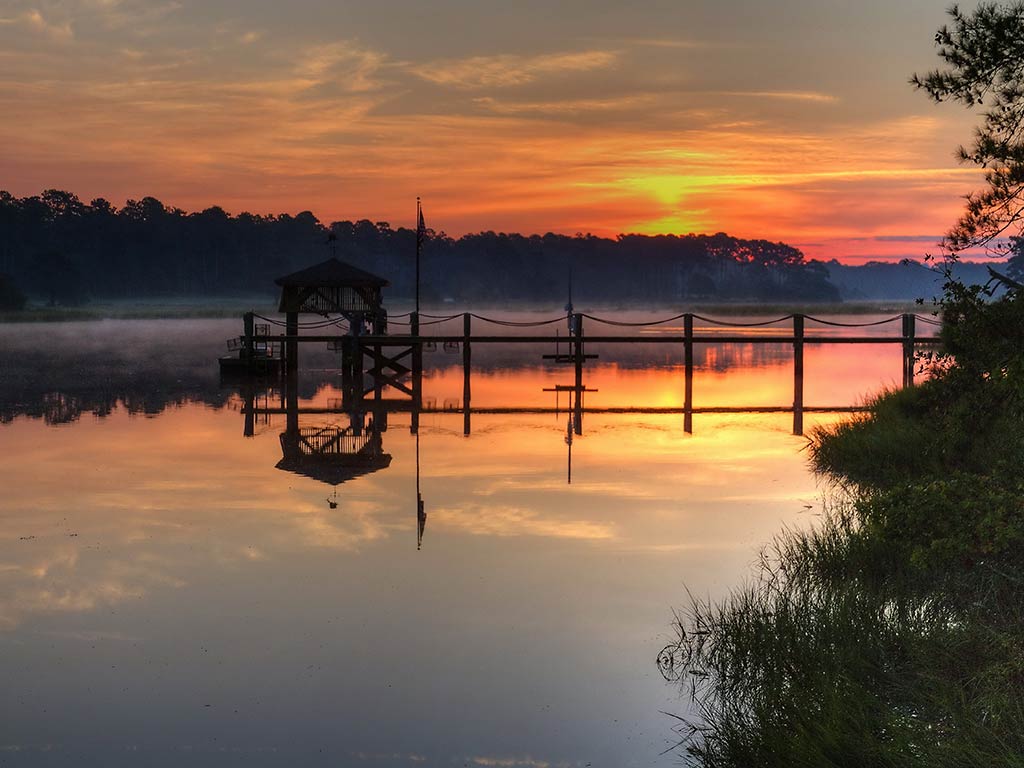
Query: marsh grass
(840,651)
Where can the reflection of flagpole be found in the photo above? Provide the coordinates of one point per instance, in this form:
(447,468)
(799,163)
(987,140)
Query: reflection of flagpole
(421,514)
(568,442)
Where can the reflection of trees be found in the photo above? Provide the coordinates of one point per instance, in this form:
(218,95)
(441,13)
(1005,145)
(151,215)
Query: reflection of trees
(60,372)
(60,395)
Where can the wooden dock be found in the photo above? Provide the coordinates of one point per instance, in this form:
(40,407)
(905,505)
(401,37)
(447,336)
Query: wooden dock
(396,359)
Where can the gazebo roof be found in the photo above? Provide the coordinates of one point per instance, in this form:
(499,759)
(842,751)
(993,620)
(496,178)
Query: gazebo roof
(335,469)
(331,274)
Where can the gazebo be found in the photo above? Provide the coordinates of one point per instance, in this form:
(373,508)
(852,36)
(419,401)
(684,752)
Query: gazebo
(331,287)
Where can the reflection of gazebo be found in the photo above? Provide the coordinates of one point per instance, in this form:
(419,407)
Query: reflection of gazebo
(333,454)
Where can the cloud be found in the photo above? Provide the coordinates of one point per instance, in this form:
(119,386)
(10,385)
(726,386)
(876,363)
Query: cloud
(510,69)
(143,17)
(34,21)
(345,63)
(813,96)
(565,106)
(665,42)
(908,238)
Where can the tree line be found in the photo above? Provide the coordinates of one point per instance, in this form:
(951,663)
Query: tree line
(60,250)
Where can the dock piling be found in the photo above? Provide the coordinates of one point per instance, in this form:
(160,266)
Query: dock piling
(248,343)
(798,374)
(688,364)
(578,415)
(417,368)
(909,332)
(467,357)
(291,322)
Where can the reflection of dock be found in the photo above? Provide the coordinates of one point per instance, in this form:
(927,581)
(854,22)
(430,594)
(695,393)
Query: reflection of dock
(540,410)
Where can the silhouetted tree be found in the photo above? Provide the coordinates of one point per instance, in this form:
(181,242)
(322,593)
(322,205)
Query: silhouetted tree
(149,249)
(11,297)
(984,54)
(58,278)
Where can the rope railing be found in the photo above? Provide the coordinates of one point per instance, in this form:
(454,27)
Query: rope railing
(837,324)
(732,324)
(309,325)
(625,324)
(517,323)
(438,319)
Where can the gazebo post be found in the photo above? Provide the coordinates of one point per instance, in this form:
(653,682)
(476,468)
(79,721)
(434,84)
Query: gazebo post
(291,329)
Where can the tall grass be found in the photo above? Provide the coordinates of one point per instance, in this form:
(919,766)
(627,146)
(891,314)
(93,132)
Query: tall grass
(840,652)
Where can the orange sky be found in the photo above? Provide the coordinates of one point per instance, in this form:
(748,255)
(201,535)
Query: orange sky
(793,122)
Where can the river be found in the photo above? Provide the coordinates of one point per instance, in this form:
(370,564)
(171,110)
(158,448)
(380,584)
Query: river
(174,592)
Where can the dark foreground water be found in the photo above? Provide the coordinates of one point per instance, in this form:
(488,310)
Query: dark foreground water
(169,596)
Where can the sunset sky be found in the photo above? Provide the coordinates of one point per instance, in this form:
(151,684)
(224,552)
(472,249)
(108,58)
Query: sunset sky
(788,120)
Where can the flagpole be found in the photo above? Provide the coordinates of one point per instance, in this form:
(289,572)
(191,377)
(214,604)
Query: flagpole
(419,242)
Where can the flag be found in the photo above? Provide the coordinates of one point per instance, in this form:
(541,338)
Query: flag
(421,521)
(421,227)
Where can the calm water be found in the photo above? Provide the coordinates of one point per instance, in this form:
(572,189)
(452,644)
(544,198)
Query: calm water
(169,597)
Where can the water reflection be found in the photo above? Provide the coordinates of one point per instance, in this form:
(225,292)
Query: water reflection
(159,573)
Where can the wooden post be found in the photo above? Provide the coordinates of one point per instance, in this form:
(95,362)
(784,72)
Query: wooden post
(359,385)
(467,357)
(909,331)
(578,349)
(578,415)
(798,374)
(249,345)
(291,328)
(292,396)
(250,407)
(378,382)
(688,365)
(417,372)
(347,354)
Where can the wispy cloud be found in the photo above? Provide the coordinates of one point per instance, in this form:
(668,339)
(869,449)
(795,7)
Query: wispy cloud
(510,69)
(908,238)
(667,42)
(34,21)
(565,106)
(814,96)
